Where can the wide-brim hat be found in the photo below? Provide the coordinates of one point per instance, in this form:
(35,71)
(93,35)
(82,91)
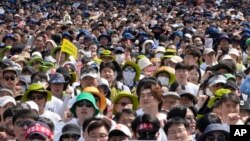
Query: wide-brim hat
(170,71)
(215,127)
(36,88)
(188,94)
(84,96)
(70,129)
(36,59)
(95,91)
(228,65)
(135,66)
(3,50)
(133,98)
(106,54)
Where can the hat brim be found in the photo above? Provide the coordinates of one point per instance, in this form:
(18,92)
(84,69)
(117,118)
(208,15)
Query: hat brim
(102,98)
(171,75)
(203,136)
(195,100)
(136,67)
(218,66)
(133,98)
(26,94)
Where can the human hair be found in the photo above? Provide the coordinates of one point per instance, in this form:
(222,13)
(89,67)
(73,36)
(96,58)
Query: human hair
(175,121)
(87,122)
(24,113)
(97,124)
(48,121)
(7,113)
(230,97)
(247,121)
(180,111)
(207,119)
(41,75)
(153,84)
(148,119)
(181,66)
(124,111)
(113,66)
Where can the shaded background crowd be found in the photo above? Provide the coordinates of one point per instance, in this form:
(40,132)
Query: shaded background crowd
(166,70)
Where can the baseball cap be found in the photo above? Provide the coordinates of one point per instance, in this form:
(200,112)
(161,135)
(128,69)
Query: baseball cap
(88,71)
(120,128)
(39,128)
(170,93)
(207,51)
(57,78)
(217,79)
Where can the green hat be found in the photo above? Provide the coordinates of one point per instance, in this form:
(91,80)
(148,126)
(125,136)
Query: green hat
(166,56)
(170,51)
(229,76)
(106,53)
(45,66)
(248,42)
(135,66)
(3,51)
(140,57)
(36,87)
(133,98)
(36,59)
(84,96)
(218,94)
(170,71)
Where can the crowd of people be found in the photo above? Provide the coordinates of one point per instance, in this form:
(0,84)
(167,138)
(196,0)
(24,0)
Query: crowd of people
(165,70)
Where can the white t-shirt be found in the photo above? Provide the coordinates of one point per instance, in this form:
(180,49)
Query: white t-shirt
(54,105)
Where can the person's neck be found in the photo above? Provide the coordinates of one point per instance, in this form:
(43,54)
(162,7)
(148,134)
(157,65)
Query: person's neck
(183,83)
(41,111)
(59,96)
(80,121)
(151,111)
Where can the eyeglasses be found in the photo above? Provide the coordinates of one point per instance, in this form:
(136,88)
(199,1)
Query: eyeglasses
(7,78)
(84,103)
(74,136)
(23,123)
(123,103)
(129,69)
(218,138)
(39,97)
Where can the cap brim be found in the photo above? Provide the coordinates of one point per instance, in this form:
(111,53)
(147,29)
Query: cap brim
(39,133)
(93,75)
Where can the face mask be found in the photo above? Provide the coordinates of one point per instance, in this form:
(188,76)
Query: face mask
(87,53)
(159,55)
(120,58)
(164,80)
(115,40)
(128,76)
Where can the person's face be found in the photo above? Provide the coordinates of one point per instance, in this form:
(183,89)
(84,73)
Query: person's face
(10,80)
(123,103)
(178,132)
(62,58)
(209,57)
(93,48)
(9,42)
(85,109)
(118,138)
(190,117)
(104,41)
(37,137)
(229,107)
(39,43)
(169,102)
(39,98)
(198,41)
(147,100)
(88,81)
(108,74)
(126,119)
(244,114)
(184,100)
(57,89)
(191,60)
(20,126)
(181,75)
(218,135)
(224,44)
(69,137)
(193,76)
(98,134)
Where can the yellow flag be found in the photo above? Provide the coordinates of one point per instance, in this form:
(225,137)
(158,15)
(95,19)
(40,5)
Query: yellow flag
(69,48)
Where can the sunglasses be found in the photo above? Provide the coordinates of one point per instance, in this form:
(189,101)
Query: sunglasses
(218,138)
(123,103)
(39,97)
(7,78)
(84,103)
(24,123)
(129,69)
(68,136)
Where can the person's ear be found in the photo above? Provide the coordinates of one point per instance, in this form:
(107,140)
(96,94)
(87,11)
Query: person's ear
(157,135)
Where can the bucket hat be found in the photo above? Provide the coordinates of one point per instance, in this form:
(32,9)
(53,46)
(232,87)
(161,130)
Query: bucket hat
(36,87)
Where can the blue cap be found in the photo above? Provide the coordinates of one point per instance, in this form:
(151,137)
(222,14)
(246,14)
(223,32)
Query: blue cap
(57,78)
(104,36)
(119,50)
(8,36)
(128,36)
(215,127)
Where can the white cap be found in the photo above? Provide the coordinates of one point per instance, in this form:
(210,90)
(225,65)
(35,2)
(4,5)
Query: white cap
(176,59)
(33,105)
(36,53)
(207,51)
(143,63)
(169,93)
(6,99)
(226,57)
(121,128)
(91,74)
(217,79)
(160,49)
(234,51)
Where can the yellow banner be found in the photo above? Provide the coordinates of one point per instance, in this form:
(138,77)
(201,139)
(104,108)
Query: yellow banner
(69,48)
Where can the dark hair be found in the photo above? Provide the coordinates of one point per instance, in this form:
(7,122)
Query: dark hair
(114,66)
(153,84)
(41,75)
(230,97)
(146,133)
(98,123)
(16,49)
(180,111)
(175,121)
(193,67)
(181,66)
(24,113)
(207,119)
(48,121)
(124,111)
(247,121)
(7,113)
(87,122)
